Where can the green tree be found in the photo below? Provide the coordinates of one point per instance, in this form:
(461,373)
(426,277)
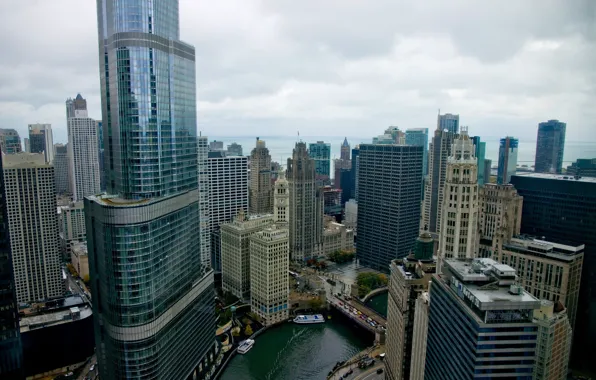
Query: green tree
(248,330)
(236,331)
(316,303)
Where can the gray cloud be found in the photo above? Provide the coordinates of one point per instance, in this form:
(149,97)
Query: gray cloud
(335,67)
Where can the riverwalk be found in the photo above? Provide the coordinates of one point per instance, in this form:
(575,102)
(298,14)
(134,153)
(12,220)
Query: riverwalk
(352,363)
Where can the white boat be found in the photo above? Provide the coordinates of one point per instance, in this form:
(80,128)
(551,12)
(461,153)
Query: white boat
(308,319)
(245,346)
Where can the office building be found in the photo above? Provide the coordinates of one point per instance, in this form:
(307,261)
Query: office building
(101,150)
(61,169)
(387,220)
(507,159)
(83,154)
(11,352)
(340,168)
(10,141)
(582,168)
(488,166)
(281,199)
(562,210)
(33,226)
(235,251)
(152,296)
(345,178)
(234,149)
(419,137)
(79,259)
(409,278)
(500,211)
(321,154)
(269,266)
(41,140)
(228,195)
(550,147)
(216,145)
(351,215)
(332,205)
(71,226)
(306,206)
(474,303)
(384,139)
(336,237)
(448,122)
(354,174)
(27,145)
(345,150)
(73,105)
(419,336)
(261,187)
(434,186)
(549,271)
(204,207)
(480,153)
(554,342)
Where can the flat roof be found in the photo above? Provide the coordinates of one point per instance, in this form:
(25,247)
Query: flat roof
(559,177)
(524,244)
(53,318)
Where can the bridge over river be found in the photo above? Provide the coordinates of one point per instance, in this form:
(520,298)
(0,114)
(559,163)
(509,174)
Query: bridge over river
(360,314)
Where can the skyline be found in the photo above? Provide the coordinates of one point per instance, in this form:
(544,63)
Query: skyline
(276,66)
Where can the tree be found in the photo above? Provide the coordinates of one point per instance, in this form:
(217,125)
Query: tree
(86,279)
(236,331)
(248,330)
(316,303)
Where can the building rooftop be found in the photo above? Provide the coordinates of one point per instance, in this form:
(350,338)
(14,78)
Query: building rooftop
(55,312)
(559,177)
(542,248)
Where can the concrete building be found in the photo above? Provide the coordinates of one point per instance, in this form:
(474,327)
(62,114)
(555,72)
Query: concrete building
(474,303)
(61,169)
(234,149)
(562,209)
(507,159)
(228,194)
(550,147)
(419,137)
(33,226)
(419,336)
(80,259)
(261,187)
(410,277)
(336,237)
(549,271)
(41,140)
(488,166)
(554,342)
(351,216)
(332,205)
(339,168)
(321,154)
(71,225)
(306,206)
(480,153)
(204,207)
(83,154)
(281,199)
(269,266)
(458,237)
(10,141)
(235,251)
(345,150)
(448,122)
(582,168)
(500,210)
(387,223)
(434,186)
(216,145)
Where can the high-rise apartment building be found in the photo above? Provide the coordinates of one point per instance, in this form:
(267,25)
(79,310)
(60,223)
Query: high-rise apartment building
(269,265)
(387,217)
(562,209)
(261,196)
(321,154)
(507,159)
(235,251)
(61,169)
(71,224)
(41,140)
(354,174)
(33,226)
(83,154)
(204,208)
(448,122)
(488,166)
(306,206)
(228,195)
(473,305)
(550,147)
(459,225)
(419,137)
(152,296)
(10,141)
(345,150)
(480,153)
(234,149)
(409,278)
(583,167)
(434,186)
(11,351)
(554,342)
(500,210)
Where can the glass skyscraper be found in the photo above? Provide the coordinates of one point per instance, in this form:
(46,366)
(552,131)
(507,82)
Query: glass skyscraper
(550,146)
(507,159)
(480,153)
(419,137)
(321,153)
(152,296)
(448,122)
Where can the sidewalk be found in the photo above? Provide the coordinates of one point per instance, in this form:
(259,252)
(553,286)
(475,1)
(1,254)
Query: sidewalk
(352,364)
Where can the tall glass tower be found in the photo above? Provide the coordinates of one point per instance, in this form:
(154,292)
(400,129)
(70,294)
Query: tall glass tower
(152,296)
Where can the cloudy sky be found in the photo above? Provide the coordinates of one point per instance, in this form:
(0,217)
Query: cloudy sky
(330,67)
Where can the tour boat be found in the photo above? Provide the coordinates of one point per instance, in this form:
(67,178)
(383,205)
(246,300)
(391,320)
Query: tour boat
(308,319)
(245,346)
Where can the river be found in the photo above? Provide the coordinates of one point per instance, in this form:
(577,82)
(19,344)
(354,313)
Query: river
(295,352)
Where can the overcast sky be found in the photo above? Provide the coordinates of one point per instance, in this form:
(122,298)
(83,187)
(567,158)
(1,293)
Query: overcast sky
(329,67)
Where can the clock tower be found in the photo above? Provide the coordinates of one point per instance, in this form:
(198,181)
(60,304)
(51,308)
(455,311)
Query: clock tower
(281,199)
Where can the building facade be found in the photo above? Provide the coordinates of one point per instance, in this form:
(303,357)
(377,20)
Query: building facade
(153,298)
(79,259)
(387,223)
(554,342)
(61,169)
(71,225)
(448,122)
(336,236)
(351,215)
(420,336)
(332,205)
(41,140)
(261,187)
(480,153)
(281,199)
(488,166)
(550,147)
(10,141)
(234,149)
(320,152)
(419,137)
(582,168)
(345,150)
(77,104)
(33,226)
(507,159)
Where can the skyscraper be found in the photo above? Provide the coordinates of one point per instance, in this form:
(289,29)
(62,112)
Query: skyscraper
(11,352)
(554,342)
(480,153)
(321,154)
(345,150)
(152,296)
(234,149)
(101,150)
(61,170)
(27,145)
(204,208)
(33,226)
(419,137)
(41,140)
(389,196)
(76,104)
(507,159)
(488,166)
(354,174)
(459,225)
(261,196)
(83,151)
(583,167)
(306,206)
(550,147)
(10,142)
(448,122)
(281,200)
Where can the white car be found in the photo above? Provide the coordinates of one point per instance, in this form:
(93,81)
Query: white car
(92,367)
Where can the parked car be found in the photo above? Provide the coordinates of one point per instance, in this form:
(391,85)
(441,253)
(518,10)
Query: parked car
(380,370)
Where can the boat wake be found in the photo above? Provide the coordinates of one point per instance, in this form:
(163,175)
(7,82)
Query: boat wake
(277,363)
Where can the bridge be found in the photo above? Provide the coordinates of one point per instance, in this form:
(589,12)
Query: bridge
(380,322)
(374,293)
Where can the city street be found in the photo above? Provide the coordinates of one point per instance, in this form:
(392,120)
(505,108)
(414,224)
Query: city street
(371,373)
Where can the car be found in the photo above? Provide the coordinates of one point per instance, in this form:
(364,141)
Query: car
(92,367)
(380,370)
